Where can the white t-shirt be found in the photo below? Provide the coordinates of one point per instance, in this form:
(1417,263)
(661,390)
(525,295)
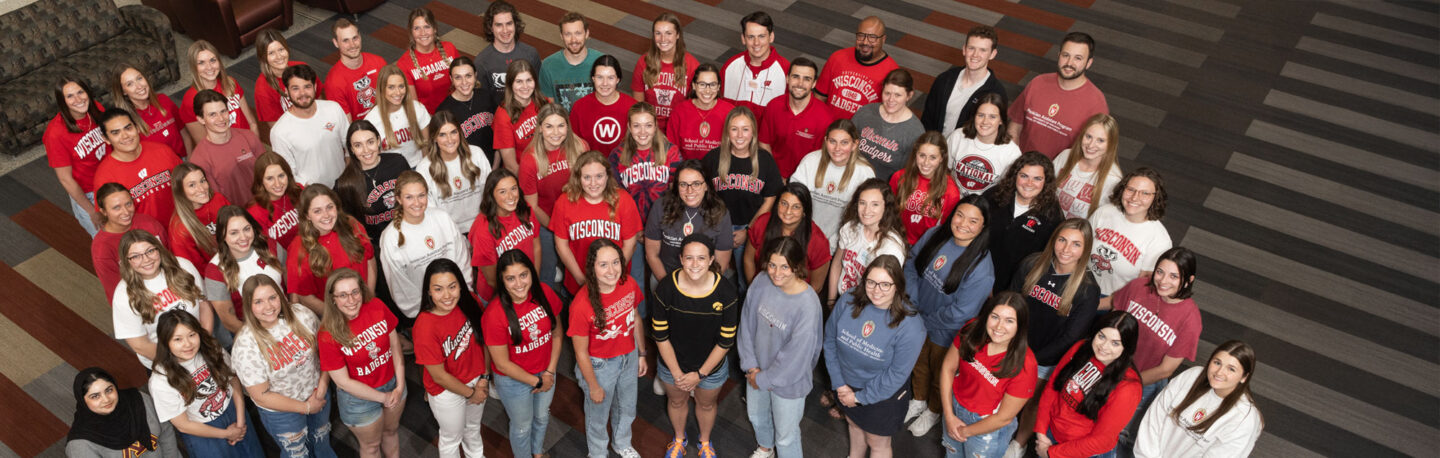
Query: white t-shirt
(403,130)
(315,147)
(292,367)
(1074,193)
(434,238)
(856,252)
(464,202)
(1123,249)
(829,200)
(217,290)
(210,401)
(1160,436)
(976,166)
(129,324)
(958,97)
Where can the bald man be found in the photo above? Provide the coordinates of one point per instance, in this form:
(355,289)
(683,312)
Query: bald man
(852,76)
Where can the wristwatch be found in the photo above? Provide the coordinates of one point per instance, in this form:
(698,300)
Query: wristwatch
(539,382)
(488,377)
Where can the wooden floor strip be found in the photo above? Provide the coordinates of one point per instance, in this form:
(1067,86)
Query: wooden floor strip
(65,333)
(30,433)
(56,228)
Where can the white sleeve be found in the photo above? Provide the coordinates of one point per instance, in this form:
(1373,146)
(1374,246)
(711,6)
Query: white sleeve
(249,366)
(422,115)
(477,156)
(1150,440)
(1158,244)
(282,146)
(168,402)
(127,323)
(461,249)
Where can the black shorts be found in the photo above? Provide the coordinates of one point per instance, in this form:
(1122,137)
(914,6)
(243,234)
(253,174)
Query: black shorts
(882,418)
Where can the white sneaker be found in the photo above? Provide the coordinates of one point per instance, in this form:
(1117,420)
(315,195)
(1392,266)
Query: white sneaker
(1015,450)
(916,407)
(762,453)
(658,387)
(627,452)
(923,423)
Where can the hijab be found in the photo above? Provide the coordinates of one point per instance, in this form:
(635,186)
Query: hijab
(121,428)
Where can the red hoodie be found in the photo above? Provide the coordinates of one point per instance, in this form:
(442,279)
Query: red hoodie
(1077,435)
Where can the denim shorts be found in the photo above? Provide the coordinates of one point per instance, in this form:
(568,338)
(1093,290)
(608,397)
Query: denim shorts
(1043,372)
(716,379)
(360,412)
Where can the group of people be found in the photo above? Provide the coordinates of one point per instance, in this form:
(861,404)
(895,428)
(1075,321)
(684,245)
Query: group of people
(986,266)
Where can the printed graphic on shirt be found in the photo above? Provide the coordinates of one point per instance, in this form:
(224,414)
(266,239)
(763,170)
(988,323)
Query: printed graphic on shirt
(365,341)
(432,70)
(849,339)
(568,93)
(1111,245)
(92,142)
(533,338)
(476,122)
(1152,321)
(455,346)
(1074,196)
(285,352)
(975,173)
(594,228)
(615,329)
(150,184)
(1080,384)
(283,224)
(384,191)
(1047,120)
(1045,295)
(871,143)
(919,206)
(140,447)
(738,181)
(607,130)
(215,399)
(852,91)
(364,92)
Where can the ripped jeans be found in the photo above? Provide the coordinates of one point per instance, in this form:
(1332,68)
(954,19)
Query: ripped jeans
(991,445)
(300,435)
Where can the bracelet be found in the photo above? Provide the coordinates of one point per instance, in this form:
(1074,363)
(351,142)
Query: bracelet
(472,393)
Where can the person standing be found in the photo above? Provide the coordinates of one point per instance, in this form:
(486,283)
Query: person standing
(1024,214)
(779,343)
(981,152)
(1049,113)
(1093,393)
(118,216)
(1170,327)
(695,124)
(154,283)
(852,76)
(352,82)
(608,332)
(418,235)
(272,53)
(242,252)
(688,197)
(454,171)
(503,28)
(400,117)
(986,378)
(367,186)
(1206,411)
(755,77)
(132,91)
(522,334)
(310,136)
(360,350)
(795,125)
(197,205)
(792,217)
(565,76)
(889,129)
(601,117)
(227,154)
(869,228)
(472,111)
(506,222)
(74,145)
(276,194)
(518,119)
(924,187)
(457,372)
(1129,236)
(593,207)
(426,63)
(956,93)
(743,174)
(140,166)
(195,389)
(663,73)
(329,240)
(833,173)
(115,422)
(207,72)
(1087,173)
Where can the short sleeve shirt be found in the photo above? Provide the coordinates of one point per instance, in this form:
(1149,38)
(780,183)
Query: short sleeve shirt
(211,399)
(602,126)
(300,280)
(447,340)
(532,354)
(743,192)
(233,103)
(582,223)
(665,91)
(849,84)
(431,77)
(129,324)
(486,248)
(548,188)
(979,390)
(368,359)
(81,151)
(617,337)
(291,366)
(1165,329)
(671,235)
(516,133)
(355,89)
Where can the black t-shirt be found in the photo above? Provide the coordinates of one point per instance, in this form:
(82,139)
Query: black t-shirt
(1050,334)
(696,323)
(381,199)
(1013,238)
(743,194)
(476,118)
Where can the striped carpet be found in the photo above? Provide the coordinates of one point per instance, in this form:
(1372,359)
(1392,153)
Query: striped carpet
(1298,141)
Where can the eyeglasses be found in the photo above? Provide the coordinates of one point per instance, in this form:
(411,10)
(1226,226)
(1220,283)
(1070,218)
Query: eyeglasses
(1130,190)
(868,37)
(150,253)
(691,185)
(355,293)
(712,85)
(883,287)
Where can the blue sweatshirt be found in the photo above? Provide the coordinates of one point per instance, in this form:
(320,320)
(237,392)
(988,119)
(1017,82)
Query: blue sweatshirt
(945,314)
(780,334)
(867,354)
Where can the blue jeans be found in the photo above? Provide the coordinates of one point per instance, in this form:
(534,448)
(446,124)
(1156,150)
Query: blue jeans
(249,447)
(529,414)
(355,411)
(82,214)
(989,445)
(736,258)
(637,273)
(548,261)
(616,376)
(776,421)
(715,380)
(1125,448)
(1109,454)
(300,435)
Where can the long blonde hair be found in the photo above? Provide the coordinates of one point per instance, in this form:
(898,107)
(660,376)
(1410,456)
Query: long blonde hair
(939,179)
(262,56)
(1112,145)
(658,146)
(117,91)
(1045,259)
(230,266)
(315,254)
(263,340)
(438,171)
(575,191)
(383,104)
(177,280)
(204,238)
(652,56)
(572,145)
(227,84)
(333,320)
(726,147)
(848,127)
(407,177)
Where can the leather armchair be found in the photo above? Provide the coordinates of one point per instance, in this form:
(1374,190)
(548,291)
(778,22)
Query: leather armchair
(231,25)
(350,7)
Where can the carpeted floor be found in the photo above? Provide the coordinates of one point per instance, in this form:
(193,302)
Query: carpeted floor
(1298,142)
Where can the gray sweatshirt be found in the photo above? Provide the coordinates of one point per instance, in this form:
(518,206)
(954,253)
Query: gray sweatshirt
(780,334)
(165,446)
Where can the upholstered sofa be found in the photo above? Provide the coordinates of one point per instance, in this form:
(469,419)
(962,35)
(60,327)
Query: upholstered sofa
(48,39)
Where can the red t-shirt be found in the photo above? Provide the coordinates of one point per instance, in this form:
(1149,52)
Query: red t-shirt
(234,102)
(697,132)
(644,179)
(580,223)
(297,265)
(147,178)
(485,249)
(164,127)
(601,126)
(280,223)
(547,189)
(978,390)
(270,104)
(81,151)
(791,136)
(182,242)
(355,89)
(665,92)
(105,250)
(818,253)
(1076,435)
(518,133)
(1165,329)
(368,359)
(1051,116)
(447,340)
(849,84)
(916,214)
(618,337)
(431,78)
(533,352)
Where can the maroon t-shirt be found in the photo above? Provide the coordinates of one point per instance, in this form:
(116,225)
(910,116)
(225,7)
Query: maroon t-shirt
(1165,329)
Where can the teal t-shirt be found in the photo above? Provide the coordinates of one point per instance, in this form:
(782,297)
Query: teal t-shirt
(567,83)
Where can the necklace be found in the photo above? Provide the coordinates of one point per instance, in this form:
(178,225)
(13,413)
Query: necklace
(689,222)
(705,119)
